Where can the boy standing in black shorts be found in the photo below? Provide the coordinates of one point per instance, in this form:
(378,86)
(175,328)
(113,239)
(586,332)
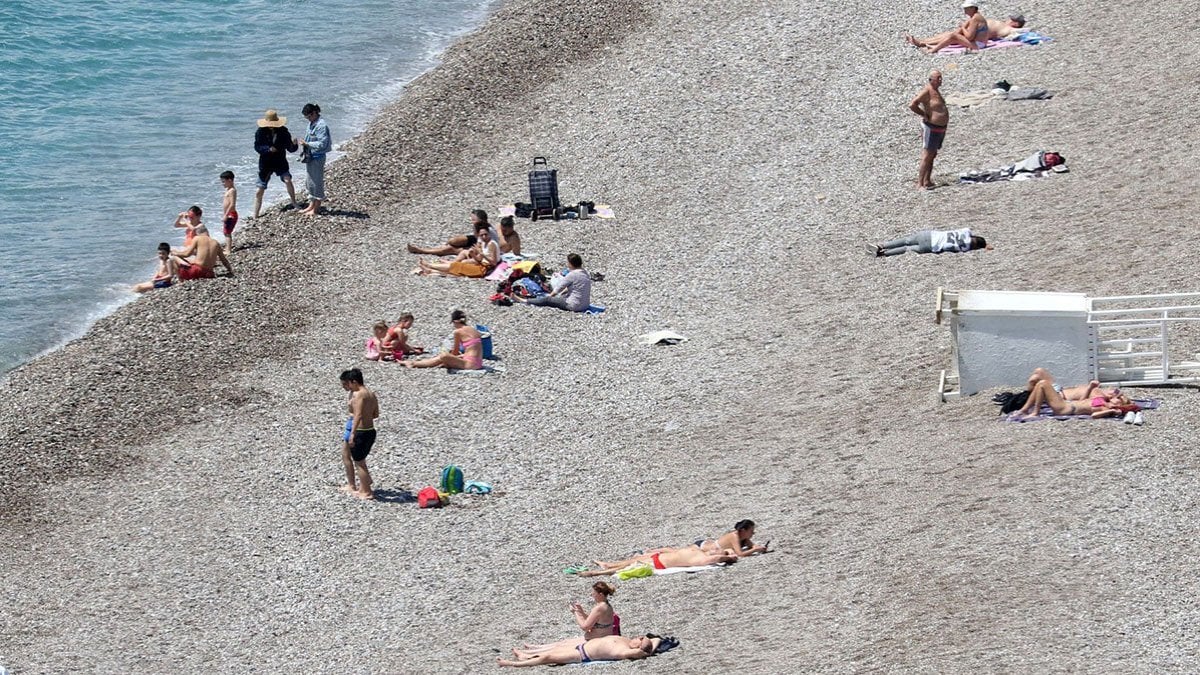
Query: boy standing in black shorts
(359,436)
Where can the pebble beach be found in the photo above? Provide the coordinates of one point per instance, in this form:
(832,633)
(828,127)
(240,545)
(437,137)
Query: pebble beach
(170,498)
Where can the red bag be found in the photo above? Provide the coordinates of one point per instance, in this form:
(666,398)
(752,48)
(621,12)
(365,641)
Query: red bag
(428,498)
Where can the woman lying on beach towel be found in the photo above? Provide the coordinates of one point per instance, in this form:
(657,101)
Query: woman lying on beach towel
(476,262)
(736,540)
(1098,406)
(1081,392)
(688,556)
(466,354)
(611,648)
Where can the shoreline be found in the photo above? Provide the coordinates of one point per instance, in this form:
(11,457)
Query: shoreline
(179,505)
(432,57)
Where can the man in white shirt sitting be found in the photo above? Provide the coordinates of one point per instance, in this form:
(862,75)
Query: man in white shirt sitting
(574,292)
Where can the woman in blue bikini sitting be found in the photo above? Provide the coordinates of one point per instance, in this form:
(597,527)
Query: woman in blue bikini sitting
(467,352)
(600,622)
(579,650)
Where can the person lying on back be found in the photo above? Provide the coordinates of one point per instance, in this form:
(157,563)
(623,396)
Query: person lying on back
(931,241)
(461,242)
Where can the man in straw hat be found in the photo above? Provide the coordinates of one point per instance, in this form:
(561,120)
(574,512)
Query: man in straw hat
(972,34)
(272,142)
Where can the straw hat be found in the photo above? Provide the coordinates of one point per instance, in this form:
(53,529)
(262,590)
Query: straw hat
(970,3)
(272,119)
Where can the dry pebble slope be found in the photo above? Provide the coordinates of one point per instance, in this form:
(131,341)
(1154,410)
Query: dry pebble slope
(899,522)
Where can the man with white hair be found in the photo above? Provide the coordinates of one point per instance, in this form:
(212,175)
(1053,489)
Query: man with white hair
(930,105)
(971,34)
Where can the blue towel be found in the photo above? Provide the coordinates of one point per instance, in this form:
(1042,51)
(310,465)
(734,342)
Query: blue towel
(1031,37)
(594,309)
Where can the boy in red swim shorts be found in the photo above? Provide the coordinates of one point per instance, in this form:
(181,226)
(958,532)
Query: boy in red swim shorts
(229,209)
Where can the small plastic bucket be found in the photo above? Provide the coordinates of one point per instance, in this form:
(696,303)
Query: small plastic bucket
(485,340)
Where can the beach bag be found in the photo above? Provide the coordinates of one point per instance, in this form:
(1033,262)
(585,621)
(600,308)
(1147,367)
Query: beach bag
(428,498)
(452,480)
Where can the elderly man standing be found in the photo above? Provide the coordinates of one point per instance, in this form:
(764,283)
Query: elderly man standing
(315,145)
(930,105)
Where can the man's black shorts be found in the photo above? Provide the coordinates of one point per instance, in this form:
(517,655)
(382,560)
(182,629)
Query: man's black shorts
(363,440)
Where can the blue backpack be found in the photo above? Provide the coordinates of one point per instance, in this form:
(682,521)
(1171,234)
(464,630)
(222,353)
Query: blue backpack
(452,480)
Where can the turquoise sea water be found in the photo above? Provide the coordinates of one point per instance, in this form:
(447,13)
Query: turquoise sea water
(115,115)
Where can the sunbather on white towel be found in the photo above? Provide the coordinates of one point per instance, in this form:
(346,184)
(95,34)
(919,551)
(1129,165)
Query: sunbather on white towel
(688,556)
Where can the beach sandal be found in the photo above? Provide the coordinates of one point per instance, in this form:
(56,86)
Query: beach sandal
(476,487)
(575,569)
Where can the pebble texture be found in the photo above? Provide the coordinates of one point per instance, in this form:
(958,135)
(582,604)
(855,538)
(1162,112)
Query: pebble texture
(169,498)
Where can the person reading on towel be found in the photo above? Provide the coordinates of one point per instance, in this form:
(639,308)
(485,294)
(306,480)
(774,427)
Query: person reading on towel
(688,556)
(475,262)
(736,540)
(573,293)
(611,648)
(1081,392)
(1098,406)
(600,621)
(972,33)
(931,241)
(458,243)
(466,354)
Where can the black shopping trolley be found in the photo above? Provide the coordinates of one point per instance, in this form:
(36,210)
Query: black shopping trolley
(543,190)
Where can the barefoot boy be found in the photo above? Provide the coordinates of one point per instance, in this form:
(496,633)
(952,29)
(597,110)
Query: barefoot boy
(359,435)
(229,214)
(167,269)
(189,220)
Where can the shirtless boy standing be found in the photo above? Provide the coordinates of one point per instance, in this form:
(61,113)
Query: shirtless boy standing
(930,105)
(359,435)
(229,214)
(167,269)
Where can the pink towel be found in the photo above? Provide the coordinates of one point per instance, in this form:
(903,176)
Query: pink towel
(991,44)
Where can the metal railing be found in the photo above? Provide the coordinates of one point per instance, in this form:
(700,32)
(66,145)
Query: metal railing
(1132,338)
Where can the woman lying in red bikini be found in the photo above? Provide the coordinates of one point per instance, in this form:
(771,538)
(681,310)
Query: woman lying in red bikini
(688,556)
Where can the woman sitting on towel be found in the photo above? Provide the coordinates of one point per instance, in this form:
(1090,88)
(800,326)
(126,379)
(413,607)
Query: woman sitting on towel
(1098,406)
(688,556)
(466,354)
(476,262)
(601,620)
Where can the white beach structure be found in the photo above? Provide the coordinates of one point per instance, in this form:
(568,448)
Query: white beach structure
(999,337)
